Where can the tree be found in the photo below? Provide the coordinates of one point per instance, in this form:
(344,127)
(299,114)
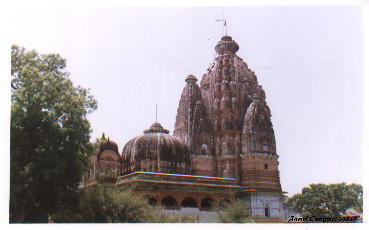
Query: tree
(49,135)
(237,211)
(331,200)
(106,204)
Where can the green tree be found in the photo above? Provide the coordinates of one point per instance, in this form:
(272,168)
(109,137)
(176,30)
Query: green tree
(330,200)
(237,211)
(49,135)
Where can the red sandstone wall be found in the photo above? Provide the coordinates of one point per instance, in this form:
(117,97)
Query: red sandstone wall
(203,166)
(255,174)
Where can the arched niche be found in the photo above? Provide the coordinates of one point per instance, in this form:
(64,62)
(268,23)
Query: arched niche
(151,200)
(169,202)
(207,204)
(189,202)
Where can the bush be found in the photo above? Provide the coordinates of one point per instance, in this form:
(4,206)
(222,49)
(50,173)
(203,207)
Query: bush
(236,212)
(107,204)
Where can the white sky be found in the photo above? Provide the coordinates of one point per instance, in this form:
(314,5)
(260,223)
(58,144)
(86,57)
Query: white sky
(309,60)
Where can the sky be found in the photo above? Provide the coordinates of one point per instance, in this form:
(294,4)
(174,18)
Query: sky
(308,59)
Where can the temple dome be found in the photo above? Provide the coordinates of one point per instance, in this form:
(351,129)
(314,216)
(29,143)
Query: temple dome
(156,151)
(108,157)
(107,144)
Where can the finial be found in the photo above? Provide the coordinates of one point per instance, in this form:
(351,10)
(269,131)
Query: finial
(156,128)
(225,25)
(156,112)
(226,46)
(191,79)
(225,22)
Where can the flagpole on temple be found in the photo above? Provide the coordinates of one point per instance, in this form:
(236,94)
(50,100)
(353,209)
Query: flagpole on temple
(225,25)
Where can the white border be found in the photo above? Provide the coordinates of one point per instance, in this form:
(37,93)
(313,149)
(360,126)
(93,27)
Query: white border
(8,10)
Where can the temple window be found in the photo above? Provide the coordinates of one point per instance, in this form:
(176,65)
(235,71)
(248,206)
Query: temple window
(266,166)
(265,147)
(267,213)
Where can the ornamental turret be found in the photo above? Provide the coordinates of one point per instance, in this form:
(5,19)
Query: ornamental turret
(259,161)
(185,113)
(258,133)
(192,124)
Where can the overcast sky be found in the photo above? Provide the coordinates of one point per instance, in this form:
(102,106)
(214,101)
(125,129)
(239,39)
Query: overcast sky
(308,59)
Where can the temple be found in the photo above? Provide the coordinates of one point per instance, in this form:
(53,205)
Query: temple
(223,147)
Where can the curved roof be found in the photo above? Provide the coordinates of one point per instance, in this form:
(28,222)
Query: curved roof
(107,144)
(165,153)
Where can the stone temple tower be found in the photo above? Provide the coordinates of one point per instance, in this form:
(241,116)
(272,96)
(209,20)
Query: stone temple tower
(223,148)
(226,123)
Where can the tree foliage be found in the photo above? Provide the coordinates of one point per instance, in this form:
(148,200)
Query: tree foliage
(237,211)
(49,135)
(327,200)
(106,204)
